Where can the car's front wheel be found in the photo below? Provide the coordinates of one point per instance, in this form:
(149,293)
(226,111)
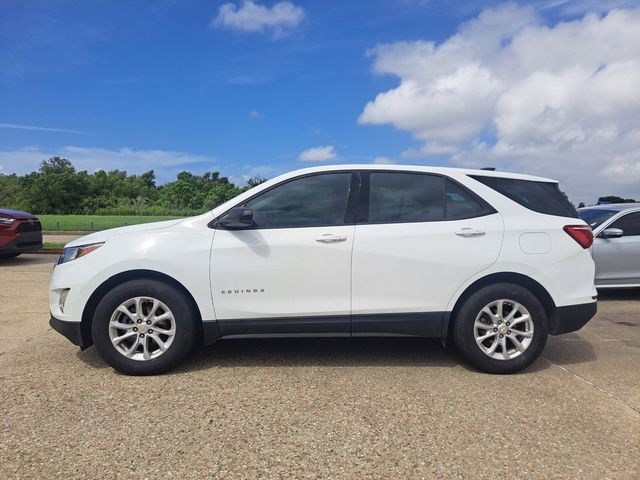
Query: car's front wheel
(143,327)
(501,328)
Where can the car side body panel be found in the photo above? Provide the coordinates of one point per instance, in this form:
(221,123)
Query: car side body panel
(179,250)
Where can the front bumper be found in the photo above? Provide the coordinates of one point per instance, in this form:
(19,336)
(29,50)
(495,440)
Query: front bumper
(73,331)
(24,242)
(572,317)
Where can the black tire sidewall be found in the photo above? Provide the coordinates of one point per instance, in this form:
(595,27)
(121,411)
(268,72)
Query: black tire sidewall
(183,316)
(463,331)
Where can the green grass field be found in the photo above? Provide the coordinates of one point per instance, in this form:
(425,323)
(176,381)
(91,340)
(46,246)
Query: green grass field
(87,223)
(52,246)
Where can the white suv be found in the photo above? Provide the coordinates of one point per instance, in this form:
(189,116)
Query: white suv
(493,261)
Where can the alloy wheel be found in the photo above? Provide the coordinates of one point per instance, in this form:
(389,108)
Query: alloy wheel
(503,329)
(142,328)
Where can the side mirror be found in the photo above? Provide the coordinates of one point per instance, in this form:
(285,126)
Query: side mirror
(612,233)
(237,218)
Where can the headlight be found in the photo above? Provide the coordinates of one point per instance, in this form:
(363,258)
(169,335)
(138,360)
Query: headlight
(71,253)
(6,221)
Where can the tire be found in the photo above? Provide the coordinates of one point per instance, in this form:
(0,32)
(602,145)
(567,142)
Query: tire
(173,313)
(9,255)
(474,322)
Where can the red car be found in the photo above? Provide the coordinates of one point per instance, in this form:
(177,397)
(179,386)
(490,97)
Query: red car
(19,232)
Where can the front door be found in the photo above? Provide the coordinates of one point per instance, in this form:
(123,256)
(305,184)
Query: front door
(291,272)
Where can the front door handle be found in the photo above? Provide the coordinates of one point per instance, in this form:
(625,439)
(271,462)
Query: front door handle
(470,232)
(331,238)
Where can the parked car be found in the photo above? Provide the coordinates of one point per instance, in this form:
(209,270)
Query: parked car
(616,246)
(492,261)
(19,232)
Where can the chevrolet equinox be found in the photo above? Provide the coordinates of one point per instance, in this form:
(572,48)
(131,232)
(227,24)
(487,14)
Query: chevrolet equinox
(491,261)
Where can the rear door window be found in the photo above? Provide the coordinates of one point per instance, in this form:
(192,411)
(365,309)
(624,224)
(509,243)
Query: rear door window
(542,197)
(460,203)
(405,197)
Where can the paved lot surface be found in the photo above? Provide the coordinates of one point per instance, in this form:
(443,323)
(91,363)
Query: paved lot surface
(367,408)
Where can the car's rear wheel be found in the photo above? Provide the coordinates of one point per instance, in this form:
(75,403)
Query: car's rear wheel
(9,255)
(501,328)
(143,327)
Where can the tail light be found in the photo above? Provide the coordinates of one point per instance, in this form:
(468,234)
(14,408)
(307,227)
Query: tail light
(581,234)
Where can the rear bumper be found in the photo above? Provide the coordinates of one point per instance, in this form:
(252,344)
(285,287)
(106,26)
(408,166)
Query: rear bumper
(572,317)
(71,330)
(24,242)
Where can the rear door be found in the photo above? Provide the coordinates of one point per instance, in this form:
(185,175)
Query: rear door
(418,238)
(618,259)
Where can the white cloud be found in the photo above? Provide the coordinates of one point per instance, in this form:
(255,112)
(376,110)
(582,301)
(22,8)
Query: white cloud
(40,129)
(254,115)
(507,90)
(253,17)
(318,154)
(252,171)
(383,161)
(164,162)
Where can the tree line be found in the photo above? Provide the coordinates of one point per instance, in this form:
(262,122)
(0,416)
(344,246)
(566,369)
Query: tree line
(58,188)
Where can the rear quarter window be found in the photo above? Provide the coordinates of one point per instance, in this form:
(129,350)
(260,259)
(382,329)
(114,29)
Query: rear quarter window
(541,197)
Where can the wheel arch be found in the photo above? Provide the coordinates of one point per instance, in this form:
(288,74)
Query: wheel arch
(504,277)
(99,293)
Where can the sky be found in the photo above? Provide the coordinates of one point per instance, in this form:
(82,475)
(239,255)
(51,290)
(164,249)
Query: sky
(246,88)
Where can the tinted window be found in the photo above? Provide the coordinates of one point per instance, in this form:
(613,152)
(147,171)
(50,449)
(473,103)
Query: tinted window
(596,216)
(309,201)
(405,197)
(630,224)
(461,203)
(542,197)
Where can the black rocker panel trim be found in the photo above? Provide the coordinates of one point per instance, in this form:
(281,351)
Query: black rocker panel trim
(420,324)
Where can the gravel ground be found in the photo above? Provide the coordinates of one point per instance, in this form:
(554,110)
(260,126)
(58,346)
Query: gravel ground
(320,408)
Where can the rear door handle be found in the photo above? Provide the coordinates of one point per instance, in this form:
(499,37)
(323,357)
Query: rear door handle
(470,232)
(331,238)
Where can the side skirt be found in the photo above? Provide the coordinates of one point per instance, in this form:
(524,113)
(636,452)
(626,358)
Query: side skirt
(418,324)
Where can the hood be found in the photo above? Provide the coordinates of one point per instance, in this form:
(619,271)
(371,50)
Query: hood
(105,234)
(15,213)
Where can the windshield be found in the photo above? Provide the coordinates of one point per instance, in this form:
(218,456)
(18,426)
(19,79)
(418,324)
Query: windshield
(596,217)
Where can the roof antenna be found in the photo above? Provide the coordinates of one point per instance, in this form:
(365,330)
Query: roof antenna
(490,169)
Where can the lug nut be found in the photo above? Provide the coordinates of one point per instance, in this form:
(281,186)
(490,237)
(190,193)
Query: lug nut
(135,329)
(508,324)
(508,332)
(150,331)
(142,335)
(499,322)
(148,322)
(139,321)
(495,329)
(501,335)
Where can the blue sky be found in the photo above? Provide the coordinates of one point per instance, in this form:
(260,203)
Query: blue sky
(173,85)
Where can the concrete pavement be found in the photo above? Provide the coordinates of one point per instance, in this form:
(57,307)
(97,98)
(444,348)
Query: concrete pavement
(317,408)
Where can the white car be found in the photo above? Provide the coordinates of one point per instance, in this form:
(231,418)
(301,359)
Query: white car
(493,261)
